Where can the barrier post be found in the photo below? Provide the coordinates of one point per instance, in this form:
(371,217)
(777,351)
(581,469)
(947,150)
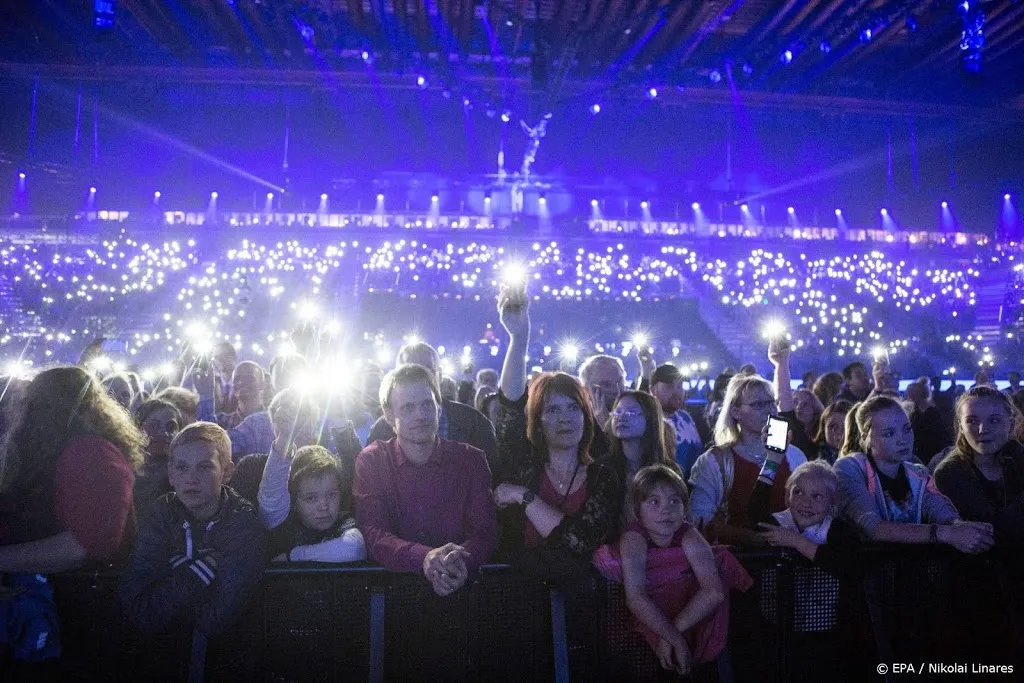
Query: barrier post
(559,637)
(376,636)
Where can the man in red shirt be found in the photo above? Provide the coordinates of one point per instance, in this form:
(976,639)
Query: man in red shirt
(423,503)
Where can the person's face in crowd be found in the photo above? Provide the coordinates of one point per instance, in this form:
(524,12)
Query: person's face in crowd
(835,430)
(197,475)
(426,359)
(562,422)
(318,502)
(413,413)
(663,511)
(748,369)
(628,419)
(224,361)
(120,391)
(1014,380)
(859,380)
(247,382)
(160,426)
(492,412)
(752,412)
(891,437)
(671,396)
(803,407)
(809,501)
(986,424)
(607,378)
(292,421)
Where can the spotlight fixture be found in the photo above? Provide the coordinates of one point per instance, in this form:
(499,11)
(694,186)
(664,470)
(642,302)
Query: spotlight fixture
(156,195)
(213,195)
(434,198)
(593,202)
(595,108)
(380,197)
(92,190)
(695,206)
(945,205)
(421,81)
(270,195)
(786,57)
(1006,196)
(747,68)
(791,210)
(885,212)
(21,176)
(323,197)
(506,116)
(865,35)
(825,47)
(644,205)
(652,93)
(744,208)
(715,76)
(839,212)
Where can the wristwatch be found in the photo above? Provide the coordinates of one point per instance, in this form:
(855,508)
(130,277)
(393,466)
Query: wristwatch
(528,497)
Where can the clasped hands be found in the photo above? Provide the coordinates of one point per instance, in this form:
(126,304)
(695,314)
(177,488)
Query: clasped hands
(445,568)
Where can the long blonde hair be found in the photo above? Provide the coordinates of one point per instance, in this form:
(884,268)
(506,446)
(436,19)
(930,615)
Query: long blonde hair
(727,430)
(858,423)
(62,405)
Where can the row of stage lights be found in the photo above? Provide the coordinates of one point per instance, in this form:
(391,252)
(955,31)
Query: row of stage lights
(595,203)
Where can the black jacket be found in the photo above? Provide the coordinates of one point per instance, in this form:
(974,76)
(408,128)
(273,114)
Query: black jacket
(465,425)
(188,574)
(1002,504)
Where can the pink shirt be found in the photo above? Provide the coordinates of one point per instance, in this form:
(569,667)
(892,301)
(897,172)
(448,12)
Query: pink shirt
(406,510)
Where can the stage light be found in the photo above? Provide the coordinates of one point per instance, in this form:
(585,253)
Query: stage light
(595,108)
(542,199)
(695,206)
(380,197)
(839,212)
(156,195)
(945,205)
(465,102)
(421,81)
(644,205)
(791,210)
(747,68)
(1006,197)
(367,57)
(434,198)
(21,176)
(92,190)
(213,195)
(865,35)
(593,202)
(506,116)
(652,93)
(323,197)
(270,195)
(885,212)
(786,57)
(911,22)
(825,47)
(744,208)
(715,75)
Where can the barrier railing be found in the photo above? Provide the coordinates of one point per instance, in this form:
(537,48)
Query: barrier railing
(315,623)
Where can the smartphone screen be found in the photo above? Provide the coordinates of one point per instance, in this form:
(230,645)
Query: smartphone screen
(778,430)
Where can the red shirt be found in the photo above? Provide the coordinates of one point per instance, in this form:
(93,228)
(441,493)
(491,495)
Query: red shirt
(93,498)
(569,505)
(744,479)
(406,510)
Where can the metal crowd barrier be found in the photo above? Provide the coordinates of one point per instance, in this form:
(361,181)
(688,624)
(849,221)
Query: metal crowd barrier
(797,623)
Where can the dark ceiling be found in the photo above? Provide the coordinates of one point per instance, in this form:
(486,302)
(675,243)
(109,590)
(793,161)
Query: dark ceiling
(863,50)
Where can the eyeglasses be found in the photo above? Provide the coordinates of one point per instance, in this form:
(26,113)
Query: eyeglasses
(157,427)
(761,405)
(627,414)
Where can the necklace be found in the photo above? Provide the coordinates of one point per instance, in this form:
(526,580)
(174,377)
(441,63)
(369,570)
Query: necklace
(560,482)
(758,457)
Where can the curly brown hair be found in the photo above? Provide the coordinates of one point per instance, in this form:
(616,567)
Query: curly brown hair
(61,405)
